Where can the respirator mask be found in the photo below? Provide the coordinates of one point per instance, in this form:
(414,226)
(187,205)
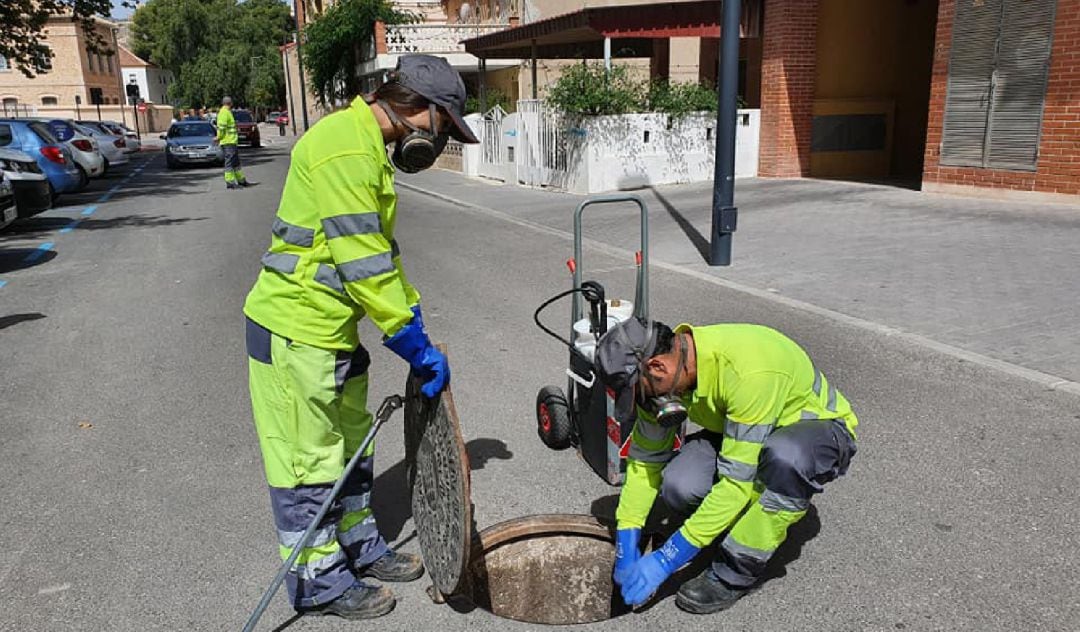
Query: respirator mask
(418,149)
(668,409)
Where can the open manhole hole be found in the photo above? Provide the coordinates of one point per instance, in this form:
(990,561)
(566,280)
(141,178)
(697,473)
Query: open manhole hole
(551,569)
(546,569)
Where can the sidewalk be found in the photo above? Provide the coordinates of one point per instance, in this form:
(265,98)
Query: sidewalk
(991,282)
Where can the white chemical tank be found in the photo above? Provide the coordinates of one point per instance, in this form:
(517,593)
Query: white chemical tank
(618,310)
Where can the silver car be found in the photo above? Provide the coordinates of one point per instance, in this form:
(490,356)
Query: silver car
(113,147)
(31,186)
(191,142)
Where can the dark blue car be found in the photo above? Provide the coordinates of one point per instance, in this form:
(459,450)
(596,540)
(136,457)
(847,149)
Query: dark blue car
(35,138)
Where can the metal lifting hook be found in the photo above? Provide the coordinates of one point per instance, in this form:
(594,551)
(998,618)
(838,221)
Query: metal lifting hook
(386,409)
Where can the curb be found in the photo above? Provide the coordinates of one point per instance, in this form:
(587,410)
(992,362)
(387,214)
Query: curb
(1046,380)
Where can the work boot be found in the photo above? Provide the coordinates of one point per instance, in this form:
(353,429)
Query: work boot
(243,183)
(359,601)
(394,567)
(231,185)
(706,594)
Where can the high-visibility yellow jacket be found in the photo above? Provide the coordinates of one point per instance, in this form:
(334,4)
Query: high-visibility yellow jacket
(750,380)
(226,126)
(332,256)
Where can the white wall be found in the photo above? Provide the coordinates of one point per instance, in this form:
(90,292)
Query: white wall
(153,82)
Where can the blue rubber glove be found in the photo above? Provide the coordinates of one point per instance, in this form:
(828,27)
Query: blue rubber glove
(412,344)
(626,553)
(651,571)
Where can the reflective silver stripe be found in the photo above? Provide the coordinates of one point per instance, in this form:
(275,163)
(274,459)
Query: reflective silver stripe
(293,234)
(817,382)
(639,453)
(359,532)
(806,415)
(366,267)
(741,550)
(831,404)
(652,431)
(735,470)
(321,537)
(328,276)
(354,224)
(395,251)
(771,501)
(314,568)
(751,433)
(356,503)
(280,261)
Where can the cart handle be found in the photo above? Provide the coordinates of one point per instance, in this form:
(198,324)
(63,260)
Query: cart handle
(641,292)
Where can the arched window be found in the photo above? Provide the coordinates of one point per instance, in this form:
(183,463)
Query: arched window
(11,106)
(49,101)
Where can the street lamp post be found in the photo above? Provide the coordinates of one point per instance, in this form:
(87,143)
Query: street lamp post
(724,212)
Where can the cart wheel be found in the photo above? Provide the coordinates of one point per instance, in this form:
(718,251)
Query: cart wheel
(553,418)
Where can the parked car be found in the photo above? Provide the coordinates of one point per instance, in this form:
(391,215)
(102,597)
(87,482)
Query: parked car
(247,130)
(52,156)
(271,117)
(8,212)
(191,142)
(84,149)
(282,118)
(131,139)
(112,146)
(31,187)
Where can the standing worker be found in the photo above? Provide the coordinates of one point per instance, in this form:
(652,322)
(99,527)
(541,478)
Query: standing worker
(333,259)
(775,431)
(228,138)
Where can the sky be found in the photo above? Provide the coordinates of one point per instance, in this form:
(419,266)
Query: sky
(119,11)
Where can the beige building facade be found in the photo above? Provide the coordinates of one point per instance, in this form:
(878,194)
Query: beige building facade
(76,77)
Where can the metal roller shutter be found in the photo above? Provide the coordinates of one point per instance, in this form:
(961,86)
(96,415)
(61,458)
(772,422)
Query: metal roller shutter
(971,69)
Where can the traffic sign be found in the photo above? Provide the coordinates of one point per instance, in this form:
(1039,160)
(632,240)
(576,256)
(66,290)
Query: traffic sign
(141,107)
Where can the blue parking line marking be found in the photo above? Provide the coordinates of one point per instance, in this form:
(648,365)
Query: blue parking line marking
(88,211)
(70,227)
(104,198)
(39,253)
(114,189)
(3,283)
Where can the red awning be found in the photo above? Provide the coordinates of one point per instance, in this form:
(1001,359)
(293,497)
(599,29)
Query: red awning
(581,34)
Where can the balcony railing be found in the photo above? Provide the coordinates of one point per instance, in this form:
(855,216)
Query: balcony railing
(433,38)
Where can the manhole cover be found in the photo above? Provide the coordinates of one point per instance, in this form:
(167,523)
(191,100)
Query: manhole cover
(438,472)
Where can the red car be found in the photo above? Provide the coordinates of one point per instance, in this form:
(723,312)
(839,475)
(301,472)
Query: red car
(282,119)
(247,130)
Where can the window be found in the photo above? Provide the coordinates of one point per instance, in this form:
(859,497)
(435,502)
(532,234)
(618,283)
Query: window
(48,101)
(11,106)
(998,64)
(100,63)
(5,66)
(43,55)
(90,61)
(6,137)
(110,58)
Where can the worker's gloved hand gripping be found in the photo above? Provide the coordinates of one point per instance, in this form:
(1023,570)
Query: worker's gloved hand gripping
(651,571)
(626,553)
(411,343)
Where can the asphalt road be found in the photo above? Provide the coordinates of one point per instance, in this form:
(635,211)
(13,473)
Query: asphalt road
(134,498)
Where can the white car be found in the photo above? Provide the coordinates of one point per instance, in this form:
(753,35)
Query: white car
(113,147)
(130,137)
(84,149)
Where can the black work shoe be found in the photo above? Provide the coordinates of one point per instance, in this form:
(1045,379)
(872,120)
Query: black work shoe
(394,567)
(243,183)
(706,594)
(231,185)
(359,601)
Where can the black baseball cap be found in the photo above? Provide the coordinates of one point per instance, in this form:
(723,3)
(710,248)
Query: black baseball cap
(437,81)
(620,354)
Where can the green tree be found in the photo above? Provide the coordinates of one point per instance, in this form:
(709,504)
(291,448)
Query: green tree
(331,50)
(216,48)
(590,90)
(24,24)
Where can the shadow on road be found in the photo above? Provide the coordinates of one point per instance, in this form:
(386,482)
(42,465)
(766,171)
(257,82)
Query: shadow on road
(20,258)
(15,319)
(40,226)
(688,229)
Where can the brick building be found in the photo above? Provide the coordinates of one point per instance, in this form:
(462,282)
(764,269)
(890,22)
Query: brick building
(76,75)
(962,96)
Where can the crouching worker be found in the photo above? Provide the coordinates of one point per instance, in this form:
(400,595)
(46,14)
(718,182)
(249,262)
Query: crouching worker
(775,431)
